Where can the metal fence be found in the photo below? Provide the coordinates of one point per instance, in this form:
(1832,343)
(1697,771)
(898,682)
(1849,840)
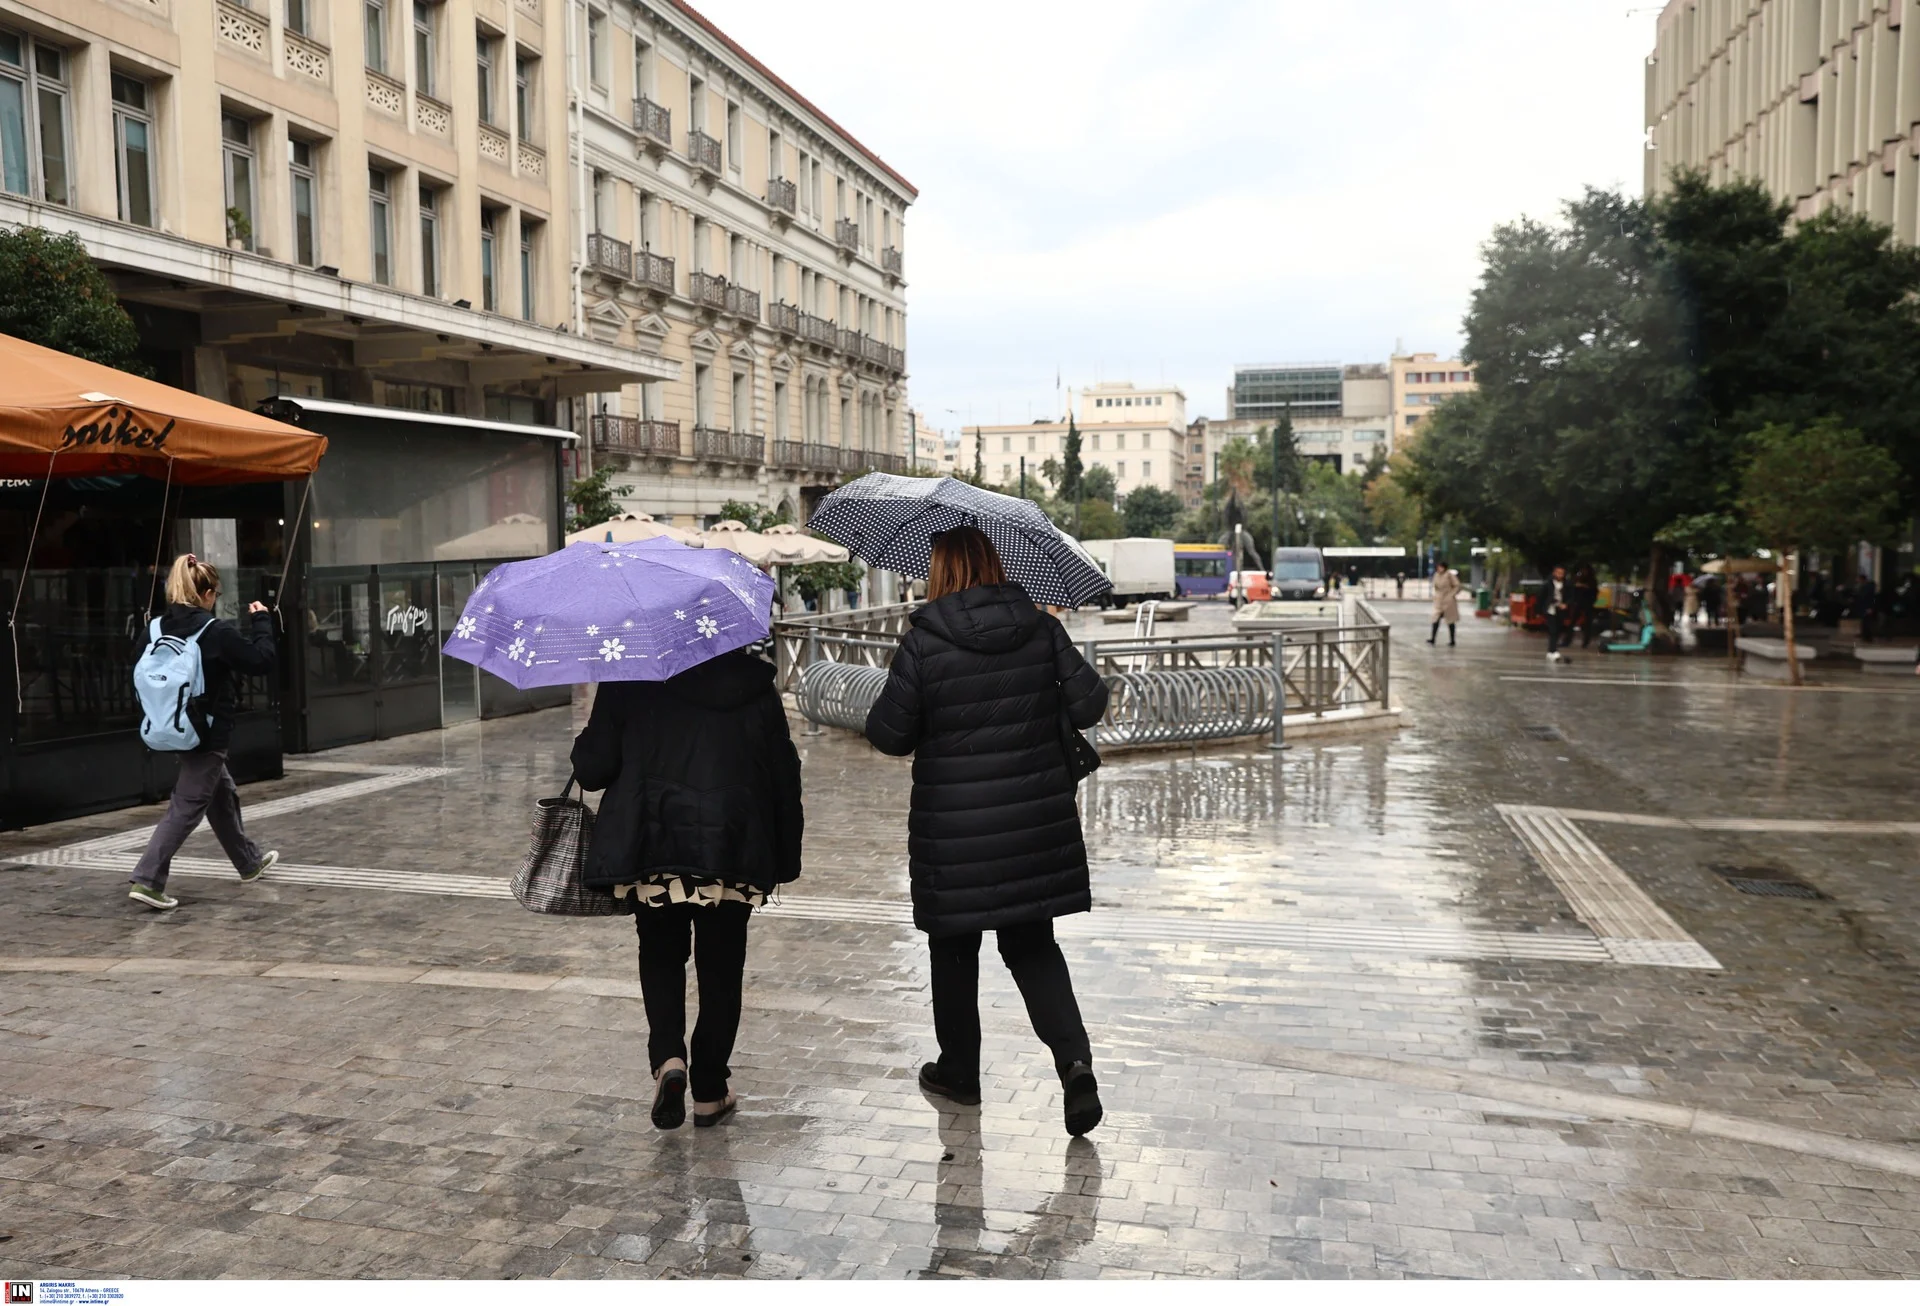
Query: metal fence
(1184,689)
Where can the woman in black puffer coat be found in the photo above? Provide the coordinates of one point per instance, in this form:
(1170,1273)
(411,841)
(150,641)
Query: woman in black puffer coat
(994,839)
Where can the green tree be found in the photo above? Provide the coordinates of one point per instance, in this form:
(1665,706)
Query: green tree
(1151,511)
(1820,486)
(1236,468)
(1099,521)
(979,457)
(1397,514)
(752,515)
(1071,468)
(1276,458)
(815,579)
(594,499)
(1098,483)
(53,294)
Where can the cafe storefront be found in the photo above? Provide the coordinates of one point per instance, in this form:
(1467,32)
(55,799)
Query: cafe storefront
(406,514)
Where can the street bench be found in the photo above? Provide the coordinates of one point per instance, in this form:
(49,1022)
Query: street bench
(1886,659)
(1766,659)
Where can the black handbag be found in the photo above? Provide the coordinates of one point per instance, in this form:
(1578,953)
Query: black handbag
(552,878)
(1082,758)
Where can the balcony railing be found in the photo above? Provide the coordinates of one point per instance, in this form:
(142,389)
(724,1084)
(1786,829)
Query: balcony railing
(847,341)
(708,291)
(783,195)
(895,463)
(703,151)
(896,360)
(653,271)
(784,318)
(855,460)
(712,442)
(873,351)
(846,233)
(788,453)
(634,435)
(743,303)
(613,257)
(890,261)
(654,120)
(823,457)
(818,331)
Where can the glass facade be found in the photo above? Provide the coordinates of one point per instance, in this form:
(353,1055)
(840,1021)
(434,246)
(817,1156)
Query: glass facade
(1267,392)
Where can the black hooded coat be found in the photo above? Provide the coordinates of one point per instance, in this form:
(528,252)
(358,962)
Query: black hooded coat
(975,694)
(701,776)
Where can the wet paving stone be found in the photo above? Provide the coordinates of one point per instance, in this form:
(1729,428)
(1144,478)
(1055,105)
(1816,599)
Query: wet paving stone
(343,1117)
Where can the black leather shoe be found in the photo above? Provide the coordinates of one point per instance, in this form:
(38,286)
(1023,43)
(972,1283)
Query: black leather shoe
(1082,1098)
(931,1082)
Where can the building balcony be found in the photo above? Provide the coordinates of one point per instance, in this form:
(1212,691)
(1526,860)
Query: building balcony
(637,436)
(890,262)
(846,234)
(787,453)
(783,195)
(784,318)
(896,360)
(610,257)
(708,291)
(894,463)
(873,351)
(703,152)
(653,272)
(654,122)
(818,331)
(719,445)
(743,303)
(822,457)
(847,341)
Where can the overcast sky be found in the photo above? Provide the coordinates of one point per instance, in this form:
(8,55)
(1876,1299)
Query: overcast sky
(1156,192)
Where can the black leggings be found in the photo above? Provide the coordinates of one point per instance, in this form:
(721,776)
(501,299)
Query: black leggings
(716,936)
(1041,973)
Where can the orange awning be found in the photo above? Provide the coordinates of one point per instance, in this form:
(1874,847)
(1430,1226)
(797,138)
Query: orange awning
(92,420)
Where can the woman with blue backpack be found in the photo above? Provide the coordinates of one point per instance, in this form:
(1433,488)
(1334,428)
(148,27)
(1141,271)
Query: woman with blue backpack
(184,678)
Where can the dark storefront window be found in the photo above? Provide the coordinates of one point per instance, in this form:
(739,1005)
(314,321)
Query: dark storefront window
(431,494)
(339,632)
(409,651)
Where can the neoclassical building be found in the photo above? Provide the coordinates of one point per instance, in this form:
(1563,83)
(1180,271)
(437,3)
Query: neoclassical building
(729,226)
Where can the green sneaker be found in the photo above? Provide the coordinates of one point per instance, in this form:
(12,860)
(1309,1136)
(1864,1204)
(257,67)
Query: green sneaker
(152,897)
(266,864)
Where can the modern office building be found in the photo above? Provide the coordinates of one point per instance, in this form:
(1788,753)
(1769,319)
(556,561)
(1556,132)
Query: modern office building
(1340,411)
(1816,99)
(728,225)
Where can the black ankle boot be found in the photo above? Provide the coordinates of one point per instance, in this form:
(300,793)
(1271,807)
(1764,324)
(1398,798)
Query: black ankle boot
(932,1081)
(1083,1109)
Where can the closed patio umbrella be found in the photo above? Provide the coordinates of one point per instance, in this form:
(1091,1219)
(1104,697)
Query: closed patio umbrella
(798,549)
(751,545)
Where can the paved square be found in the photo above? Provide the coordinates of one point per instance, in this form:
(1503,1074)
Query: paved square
(1467,999)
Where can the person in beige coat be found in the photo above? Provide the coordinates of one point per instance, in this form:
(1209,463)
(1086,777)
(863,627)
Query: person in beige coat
(1446,601)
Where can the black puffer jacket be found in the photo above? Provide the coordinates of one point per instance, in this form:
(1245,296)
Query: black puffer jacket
(226,654)
(701,776)
(975,692)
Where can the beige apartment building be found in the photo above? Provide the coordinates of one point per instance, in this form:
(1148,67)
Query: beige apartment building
(730,226)
(1816,99)
(1136,432)
(1420,383)
(361,200)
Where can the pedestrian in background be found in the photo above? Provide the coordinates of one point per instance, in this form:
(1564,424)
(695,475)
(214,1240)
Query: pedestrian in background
(204,787)
(1446,601)
(980,692)
(1586,598)
(1866,597)
(701,821)
(1556,604)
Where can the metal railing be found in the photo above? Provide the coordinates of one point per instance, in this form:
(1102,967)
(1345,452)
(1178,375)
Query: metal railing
(818,330)
(723,445)
(653,271)
(784,318)
(708,291)
(654,120)
(788,453)
(890,260)
(743,303)
(783,195)
(703,151)
(847,341)
(634,435)
(613,257)
(823,457)
(896,360)
(846,233)
(1184,689)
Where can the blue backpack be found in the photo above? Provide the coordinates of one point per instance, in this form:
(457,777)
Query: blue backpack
(169,680)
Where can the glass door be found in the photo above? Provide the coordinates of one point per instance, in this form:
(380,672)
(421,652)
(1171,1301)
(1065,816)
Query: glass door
(459,686)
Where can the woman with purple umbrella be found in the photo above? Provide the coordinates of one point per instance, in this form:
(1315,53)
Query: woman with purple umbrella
(701,816)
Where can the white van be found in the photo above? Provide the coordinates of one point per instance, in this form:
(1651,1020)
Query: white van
(1140,568)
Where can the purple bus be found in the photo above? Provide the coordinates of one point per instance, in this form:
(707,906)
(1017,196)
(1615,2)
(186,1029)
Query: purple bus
(1200,570)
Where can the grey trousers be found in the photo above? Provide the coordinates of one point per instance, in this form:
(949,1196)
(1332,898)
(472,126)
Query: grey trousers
(203,789)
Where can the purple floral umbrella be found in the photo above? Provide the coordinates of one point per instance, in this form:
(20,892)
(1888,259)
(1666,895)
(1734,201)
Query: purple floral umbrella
(596,611)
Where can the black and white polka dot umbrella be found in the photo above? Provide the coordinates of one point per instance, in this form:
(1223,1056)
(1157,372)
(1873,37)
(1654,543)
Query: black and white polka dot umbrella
(890,521)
